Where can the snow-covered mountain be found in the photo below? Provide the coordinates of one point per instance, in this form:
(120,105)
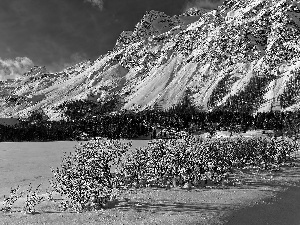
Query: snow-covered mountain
(243,55)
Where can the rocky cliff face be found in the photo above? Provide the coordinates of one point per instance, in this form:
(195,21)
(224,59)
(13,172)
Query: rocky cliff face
(244,55)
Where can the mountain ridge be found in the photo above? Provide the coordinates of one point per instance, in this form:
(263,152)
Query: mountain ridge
(242,56)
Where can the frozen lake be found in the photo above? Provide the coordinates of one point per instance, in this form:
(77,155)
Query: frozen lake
(22,163)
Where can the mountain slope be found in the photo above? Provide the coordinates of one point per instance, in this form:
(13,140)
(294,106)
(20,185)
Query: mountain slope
(242,56)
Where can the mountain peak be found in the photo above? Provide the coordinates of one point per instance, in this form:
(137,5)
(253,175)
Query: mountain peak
(244,56)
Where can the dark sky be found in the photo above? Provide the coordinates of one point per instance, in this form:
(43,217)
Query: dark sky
(57,33)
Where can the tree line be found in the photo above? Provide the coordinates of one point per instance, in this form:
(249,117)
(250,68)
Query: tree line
(92,119)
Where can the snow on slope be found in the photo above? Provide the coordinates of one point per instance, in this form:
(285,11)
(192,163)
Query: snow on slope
(243,55)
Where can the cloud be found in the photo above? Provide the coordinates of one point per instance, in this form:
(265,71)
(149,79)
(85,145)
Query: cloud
(11,69)
(97,3)
(206,4)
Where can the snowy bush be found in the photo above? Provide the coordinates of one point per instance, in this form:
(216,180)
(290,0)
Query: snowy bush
(86,176)
(194,160)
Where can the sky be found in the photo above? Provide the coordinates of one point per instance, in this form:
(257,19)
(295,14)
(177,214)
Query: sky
(60,33)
